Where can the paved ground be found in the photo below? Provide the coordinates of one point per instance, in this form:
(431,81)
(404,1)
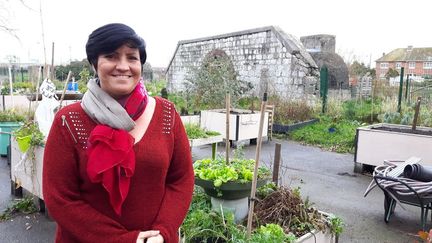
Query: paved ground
(326,178)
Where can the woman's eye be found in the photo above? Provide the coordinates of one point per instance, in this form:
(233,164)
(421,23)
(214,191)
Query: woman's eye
(133,58)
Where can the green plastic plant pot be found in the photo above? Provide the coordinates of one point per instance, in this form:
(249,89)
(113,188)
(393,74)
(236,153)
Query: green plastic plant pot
(6,127)
(230,190)
(24,143)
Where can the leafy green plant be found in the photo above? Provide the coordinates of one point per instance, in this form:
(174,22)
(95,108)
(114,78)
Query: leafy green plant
(406,116)
(271,233)
(266,190)
(194,131)
(24,205)
(219,172)
(30,129)
(206,225)
(362,111)
(11,116)
(84,76)
(154,88)
(336,225)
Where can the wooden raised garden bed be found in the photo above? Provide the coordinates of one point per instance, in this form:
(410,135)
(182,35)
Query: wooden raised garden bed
(26,172)
(280,128)
(244,124)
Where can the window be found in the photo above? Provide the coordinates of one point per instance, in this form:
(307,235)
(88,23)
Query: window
(398,65)
(384,65)
(427,65)
(411,65)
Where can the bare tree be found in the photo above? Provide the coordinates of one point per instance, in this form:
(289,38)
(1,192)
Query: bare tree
(5,17)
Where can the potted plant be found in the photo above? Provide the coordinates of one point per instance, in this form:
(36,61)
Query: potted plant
(9,120)
(27,149)
(229,182)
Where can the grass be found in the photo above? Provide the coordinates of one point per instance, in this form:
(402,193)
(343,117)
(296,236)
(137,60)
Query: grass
(24,205)
(194,131)
(334,135)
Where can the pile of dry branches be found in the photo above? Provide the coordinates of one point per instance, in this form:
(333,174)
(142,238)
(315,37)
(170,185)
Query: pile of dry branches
(286,208)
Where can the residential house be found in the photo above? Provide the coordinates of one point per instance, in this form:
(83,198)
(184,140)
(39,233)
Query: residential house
(417,62)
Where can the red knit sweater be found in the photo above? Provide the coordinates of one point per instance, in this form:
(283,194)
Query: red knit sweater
(160,190)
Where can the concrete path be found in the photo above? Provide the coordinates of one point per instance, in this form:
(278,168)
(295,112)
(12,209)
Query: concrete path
(326,178)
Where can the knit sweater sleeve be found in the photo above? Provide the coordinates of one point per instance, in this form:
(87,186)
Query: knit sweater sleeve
(76,219)
(178,188)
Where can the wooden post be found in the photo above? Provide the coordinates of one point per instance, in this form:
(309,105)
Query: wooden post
(11,86)
(52,62)
(257,158)
(227,127)
(416,114)
(399,107)
(276,164)
(40,77)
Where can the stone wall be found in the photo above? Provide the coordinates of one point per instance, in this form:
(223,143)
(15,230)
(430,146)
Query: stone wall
(319,43)
(267,57)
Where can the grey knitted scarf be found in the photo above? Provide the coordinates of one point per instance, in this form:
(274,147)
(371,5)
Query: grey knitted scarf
(104,109)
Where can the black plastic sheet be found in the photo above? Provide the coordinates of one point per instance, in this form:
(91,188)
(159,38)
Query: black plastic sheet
(418,172)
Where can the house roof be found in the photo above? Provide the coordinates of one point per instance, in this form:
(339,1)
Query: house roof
(292,44)
(408,54)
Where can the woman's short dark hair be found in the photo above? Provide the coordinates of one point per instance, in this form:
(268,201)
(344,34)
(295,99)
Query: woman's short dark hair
(108,38)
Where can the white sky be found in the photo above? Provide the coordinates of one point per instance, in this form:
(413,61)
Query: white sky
(364,29)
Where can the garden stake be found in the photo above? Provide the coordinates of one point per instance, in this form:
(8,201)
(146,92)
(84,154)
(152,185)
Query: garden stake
(257,158)
(52,63)
(11,86)
(227,141)
(276,163)
(416,114)
(400,89)
(37,84)
(64,89)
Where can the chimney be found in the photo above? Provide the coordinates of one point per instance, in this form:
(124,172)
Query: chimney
(383,54)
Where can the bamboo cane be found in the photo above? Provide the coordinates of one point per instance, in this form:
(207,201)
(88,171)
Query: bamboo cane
(257,158)
(227,127)
(37,84)
(64,89)
(11,87)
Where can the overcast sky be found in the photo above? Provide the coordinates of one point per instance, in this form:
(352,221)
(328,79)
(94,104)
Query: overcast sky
(364,29)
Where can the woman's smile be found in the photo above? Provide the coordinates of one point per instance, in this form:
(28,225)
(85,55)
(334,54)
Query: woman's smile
(119,71)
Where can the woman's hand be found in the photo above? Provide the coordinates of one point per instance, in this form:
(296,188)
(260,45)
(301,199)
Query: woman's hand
(143,235)
(155,239)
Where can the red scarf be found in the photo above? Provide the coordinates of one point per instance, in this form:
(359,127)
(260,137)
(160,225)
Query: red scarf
(111,158)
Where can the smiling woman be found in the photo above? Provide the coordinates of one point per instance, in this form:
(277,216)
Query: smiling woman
(119,71)
(119,160)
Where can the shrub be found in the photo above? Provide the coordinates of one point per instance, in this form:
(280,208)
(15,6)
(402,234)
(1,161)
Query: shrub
(11,116)
(291,111)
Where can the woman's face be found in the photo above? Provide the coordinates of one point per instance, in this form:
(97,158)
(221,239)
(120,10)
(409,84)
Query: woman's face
(119,71)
